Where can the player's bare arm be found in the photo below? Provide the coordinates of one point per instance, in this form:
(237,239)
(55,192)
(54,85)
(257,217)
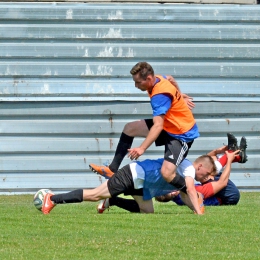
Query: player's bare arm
(187,98)
(217,151)
(188,101)
(173,82)
(223,180)
(192,194)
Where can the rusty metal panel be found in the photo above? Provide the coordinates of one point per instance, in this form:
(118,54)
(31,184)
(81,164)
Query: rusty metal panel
(66,91)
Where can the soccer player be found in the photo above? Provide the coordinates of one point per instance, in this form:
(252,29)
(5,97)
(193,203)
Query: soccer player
(142,180)
(217,190)
(173,126)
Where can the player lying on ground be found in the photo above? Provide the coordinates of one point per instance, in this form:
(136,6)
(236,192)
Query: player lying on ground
(142,180)
(217,190)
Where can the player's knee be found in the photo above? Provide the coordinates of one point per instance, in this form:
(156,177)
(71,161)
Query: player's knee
(146,207)
(129,128)
(146,210)
(135,128)
(168,174)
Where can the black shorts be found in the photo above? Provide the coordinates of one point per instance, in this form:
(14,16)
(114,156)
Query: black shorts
(161,138)
(175,150)
(122,183)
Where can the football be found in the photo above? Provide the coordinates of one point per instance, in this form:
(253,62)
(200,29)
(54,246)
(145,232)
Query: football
(38,198)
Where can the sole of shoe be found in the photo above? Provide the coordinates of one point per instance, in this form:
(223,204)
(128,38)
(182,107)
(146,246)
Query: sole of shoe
(242,147)
(232,142)
(104,174)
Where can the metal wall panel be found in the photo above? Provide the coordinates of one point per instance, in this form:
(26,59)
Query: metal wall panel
(246,2)
(66,90)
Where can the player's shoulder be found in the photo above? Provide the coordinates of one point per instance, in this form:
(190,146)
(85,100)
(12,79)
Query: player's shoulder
(186,163)
(186,168)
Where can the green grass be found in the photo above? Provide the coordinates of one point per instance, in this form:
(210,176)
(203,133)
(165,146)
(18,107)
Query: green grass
(75,231)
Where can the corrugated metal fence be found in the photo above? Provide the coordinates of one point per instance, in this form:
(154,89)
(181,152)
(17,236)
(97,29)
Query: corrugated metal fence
(66,90)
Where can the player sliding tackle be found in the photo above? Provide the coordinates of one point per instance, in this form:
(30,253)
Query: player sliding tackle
(217,190)
(143,181)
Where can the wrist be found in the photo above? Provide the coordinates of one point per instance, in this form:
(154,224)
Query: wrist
(143,148)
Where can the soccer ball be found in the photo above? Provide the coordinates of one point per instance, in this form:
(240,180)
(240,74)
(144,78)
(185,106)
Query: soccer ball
(38,198)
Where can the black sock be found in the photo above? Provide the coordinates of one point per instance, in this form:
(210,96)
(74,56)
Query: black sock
(70,197)
(125,142)
(179,182)
(129,205)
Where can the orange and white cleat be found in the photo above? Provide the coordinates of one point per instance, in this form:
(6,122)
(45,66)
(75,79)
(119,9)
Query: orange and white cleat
(101,170)
(48,205)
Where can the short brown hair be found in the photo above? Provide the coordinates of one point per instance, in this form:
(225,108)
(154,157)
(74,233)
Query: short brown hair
(143,68)
(208,160)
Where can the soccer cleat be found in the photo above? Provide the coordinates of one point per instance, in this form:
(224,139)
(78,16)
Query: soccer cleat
(102,170)
(232,142)
(242,147)
(48,205)
(200,201)
(102,206)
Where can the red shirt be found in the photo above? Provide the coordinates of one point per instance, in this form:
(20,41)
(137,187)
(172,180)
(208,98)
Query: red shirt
(205,189)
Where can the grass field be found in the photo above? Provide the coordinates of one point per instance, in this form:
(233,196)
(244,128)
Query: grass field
(75,231)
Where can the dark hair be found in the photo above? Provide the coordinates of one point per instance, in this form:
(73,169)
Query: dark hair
(163,198)
(143,68)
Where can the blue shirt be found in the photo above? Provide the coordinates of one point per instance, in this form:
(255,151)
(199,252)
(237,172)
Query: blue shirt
(154,184)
